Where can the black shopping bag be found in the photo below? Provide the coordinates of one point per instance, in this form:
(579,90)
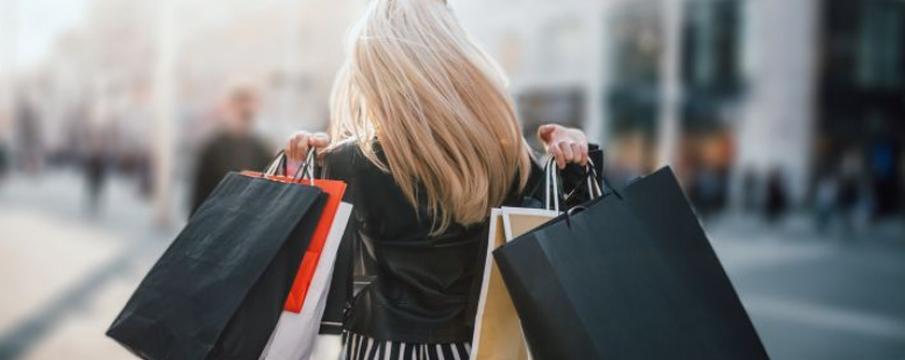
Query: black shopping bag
(631,276)
(218,291)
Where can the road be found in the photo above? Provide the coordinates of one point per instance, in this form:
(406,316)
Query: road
(812,296)
(64,276)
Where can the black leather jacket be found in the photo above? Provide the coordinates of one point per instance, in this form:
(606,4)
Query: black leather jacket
(420,289)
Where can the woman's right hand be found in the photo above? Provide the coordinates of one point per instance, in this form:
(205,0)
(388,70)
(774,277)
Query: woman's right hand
(298,145)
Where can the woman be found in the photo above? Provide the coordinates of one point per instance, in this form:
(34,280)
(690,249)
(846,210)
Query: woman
(426,137)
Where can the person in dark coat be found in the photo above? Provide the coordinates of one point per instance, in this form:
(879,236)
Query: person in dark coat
(95,167)
(233,147)
(4,163)
(777,200)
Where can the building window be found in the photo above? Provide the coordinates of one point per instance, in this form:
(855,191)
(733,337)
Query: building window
(563,47)
(636,43)
(511,53)
(861,94)
(711,66)
(636,46)
(862,44)
(711,37)
(879,47)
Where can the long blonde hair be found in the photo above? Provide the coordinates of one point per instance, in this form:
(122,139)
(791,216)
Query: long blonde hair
(437,105)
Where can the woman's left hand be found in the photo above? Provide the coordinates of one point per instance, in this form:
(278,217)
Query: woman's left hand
(568,146)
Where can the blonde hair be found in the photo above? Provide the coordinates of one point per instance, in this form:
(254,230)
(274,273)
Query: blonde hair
(437,105)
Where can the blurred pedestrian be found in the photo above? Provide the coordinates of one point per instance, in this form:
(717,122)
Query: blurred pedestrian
(777,201)
(850,190)
(143,174)
(884,180)
(4,158)
(826,201)
(749,187)
(95,166)
(233,146)
(708,190)
(866,209)
(30,137)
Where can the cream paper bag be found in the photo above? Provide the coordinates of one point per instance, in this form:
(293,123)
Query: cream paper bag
(498,333)
(517,221)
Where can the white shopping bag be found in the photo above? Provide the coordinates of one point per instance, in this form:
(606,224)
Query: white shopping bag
(296,334)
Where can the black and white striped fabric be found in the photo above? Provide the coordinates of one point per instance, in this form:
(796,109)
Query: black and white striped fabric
(359,347)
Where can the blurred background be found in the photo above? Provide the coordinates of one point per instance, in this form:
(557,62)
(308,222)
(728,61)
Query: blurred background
(785,120)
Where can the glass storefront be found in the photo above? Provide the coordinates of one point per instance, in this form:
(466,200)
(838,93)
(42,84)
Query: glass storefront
(711,87)
(861,101)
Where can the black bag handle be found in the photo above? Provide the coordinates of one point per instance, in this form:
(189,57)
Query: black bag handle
(554,182)
(306,168)
(591,173)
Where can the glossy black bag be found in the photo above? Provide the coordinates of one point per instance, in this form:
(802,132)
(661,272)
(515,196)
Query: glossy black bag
(628,276)
(219,289)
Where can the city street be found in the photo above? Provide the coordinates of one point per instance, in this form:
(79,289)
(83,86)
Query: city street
(64,275)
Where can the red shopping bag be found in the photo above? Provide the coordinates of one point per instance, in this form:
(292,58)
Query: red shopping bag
(334,190)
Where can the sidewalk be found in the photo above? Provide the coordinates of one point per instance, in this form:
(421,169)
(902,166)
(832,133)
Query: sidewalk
(64,274)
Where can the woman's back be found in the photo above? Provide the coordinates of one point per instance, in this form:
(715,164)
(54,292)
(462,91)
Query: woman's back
(423,284)
(428,142)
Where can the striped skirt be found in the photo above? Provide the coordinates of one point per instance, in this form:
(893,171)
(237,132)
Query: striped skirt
(359,347)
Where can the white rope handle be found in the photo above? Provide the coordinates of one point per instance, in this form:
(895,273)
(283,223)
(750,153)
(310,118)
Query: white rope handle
(552,189)
(307,166)
(275,165)
(551,183)
(592,181)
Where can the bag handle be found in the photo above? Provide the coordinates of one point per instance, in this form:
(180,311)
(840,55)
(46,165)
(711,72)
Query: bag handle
(605,180)
(278,161)
(306,169)
(280,164)
(592,176)
(553,190)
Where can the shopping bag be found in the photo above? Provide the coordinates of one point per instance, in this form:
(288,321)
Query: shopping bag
(218,290)
(518,221)
(334,190)
(328,347)
(297,333)
(630,275)
(497,333)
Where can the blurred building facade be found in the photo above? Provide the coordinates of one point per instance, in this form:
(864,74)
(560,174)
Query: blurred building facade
(100,77)
(142,83)
(770,90)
